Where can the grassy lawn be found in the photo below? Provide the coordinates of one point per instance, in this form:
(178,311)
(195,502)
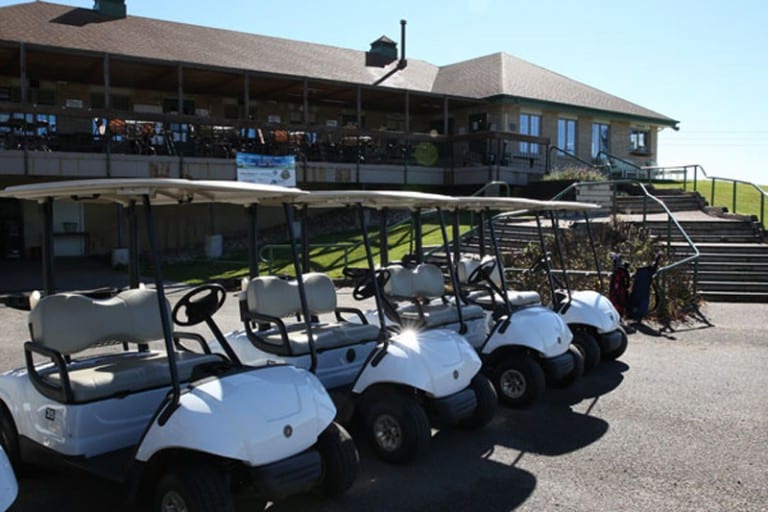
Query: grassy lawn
(747,197)
(329,258)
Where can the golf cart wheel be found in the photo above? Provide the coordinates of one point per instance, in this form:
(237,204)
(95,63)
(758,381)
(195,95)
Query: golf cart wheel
(9,438)
(615,354)
(590,348)
(578,368)
(519,380)
(487,402)
(340,460)
(398,429)
(194,488)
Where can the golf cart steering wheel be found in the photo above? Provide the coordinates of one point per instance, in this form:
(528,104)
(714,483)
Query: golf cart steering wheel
(540,264)
(198,304)
(364,288)
(482,272)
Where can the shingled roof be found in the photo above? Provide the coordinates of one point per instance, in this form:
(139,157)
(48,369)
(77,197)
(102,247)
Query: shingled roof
(60,26)
(500,74)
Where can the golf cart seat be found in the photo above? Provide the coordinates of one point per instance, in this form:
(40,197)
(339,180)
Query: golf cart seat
(490,295)
(269,300)
(67,323)
(421,285)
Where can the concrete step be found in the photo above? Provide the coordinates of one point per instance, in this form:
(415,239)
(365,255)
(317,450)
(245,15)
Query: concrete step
(733,286)
(718,296)
(742,276)
(724,248)
(735,266)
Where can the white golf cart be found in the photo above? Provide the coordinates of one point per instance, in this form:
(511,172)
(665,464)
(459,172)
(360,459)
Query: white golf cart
(591,316)
(521,343)
(8,486)
(394,386)
(526,344)
(186,430)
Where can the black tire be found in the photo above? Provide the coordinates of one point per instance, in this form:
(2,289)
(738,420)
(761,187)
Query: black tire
(194,488)
(589,347)
(397,428)
(487,403)
(617,353)
(519,380)
(9,439)
(340,460)
(576,373)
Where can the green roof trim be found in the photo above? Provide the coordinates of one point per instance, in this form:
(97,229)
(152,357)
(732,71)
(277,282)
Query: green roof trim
(504,99)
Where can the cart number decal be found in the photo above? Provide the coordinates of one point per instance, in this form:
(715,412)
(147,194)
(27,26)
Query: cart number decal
(50,414)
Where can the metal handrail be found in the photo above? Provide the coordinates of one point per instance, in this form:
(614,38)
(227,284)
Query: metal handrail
(501,184)
(347,247)
(572,157)
(698,168)
(639,170)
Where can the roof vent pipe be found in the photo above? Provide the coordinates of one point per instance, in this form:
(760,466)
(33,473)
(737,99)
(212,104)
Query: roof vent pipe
(403,62)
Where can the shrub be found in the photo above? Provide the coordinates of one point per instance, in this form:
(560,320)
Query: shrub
(574,174)
(636,246)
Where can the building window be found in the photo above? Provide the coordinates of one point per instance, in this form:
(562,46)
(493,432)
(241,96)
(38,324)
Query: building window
(530,125)
(600,138)
(640,142)
(566,135)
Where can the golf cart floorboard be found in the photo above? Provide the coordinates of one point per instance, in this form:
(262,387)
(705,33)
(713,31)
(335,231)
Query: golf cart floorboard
(111,466)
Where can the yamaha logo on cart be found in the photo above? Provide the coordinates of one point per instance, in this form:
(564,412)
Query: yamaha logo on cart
(456,374)
(287,431)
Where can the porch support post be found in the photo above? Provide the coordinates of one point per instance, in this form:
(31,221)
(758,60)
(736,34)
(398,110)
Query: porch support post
(247,95)
(107,106)
(46,208)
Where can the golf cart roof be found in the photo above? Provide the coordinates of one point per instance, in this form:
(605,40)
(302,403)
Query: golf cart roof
(520,204)
(375,199)
(162,191)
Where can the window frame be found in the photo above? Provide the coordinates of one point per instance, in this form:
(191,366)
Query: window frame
(567,128)
(600,143)
(636,136)
(529,148)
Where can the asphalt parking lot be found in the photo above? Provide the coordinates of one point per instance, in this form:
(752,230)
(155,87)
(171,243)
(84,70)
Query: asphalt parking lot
(679,423)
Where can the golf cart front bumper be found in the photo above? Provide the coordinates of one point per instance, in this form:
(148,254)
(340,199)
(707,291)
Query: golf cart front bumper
(453,408)
(558,367)
(289,476)
(610,341)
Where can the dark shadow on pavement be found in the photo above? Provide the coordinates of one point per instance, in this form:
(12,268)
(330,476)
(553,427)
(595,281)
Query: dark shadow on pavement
(68,491)
(456,474)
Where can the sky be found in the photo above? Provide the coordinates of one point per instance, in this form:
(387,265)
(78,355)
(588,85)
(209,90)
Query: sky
(702,62)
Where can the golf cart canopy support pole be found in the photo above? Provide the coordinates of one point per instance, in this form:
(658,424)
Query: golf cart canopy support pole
(416,217)
(594,250)
(559,248)
(253,243)
(133,246)
(545,256)
(482,234)
(456,235)
(500,266)
(452,272)
(165,316)
(304,223)
(288,209)
(374,280)
(383,237)
(46,208)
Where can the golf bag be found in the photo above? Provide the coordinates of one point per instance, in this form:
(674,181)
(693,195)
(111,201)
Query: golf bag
(619,289)
(640,296)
